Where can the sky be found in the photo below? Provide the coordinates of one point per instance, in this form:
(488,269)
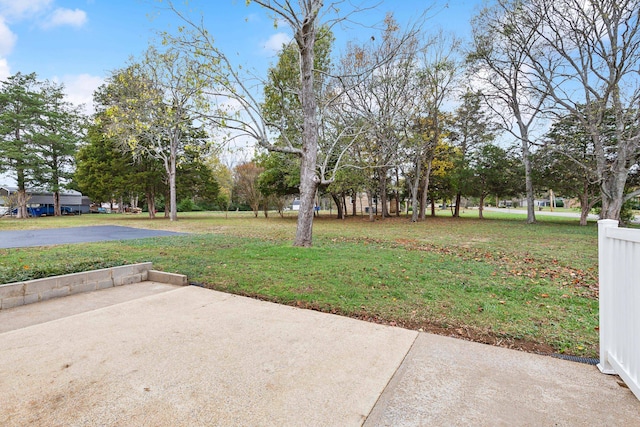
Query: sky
(79,42)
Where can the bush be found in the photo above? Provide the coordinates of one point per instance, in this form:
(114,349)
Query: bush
(187,205)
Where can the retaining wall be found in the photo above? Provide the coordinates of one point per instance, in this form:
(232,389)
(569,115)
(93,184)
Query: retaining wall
(28,292)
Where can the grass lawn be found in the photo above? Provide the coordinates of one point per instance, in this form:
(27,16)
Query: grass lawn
(498,280)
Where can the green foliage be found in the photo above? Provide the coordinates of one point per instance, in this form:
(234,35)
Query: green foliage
(21,110)
(280,175)
(187,205)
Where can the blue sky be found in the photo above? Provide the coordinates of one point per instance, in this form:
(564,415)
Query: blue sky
(78,42)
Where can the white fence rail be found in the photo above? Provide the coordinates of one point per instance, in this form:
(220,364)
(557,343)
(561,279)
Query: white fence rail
(619,275)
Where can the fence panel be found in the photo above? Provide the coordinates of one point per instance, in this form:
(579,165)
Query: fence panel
(619,276)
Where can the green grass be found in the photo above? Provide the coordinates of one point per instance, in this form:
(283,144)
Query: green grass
(498,281)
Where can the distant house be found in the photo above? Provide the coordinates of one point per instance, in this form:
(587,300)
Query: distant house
(71,199)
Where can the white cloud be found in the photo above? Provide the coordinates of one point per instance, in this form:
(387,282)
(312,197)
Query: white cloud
(7,38)
(79,89)
(18,9)
(5,71)
(274,44)
(61,16)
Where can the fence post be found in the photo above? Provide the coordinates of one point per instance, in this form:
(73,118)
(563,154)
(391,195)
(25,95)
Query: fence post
(605,279)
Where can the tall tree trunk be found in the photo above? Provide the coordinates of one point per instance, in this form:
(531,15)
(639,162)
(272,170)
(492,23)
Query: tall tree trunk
(612,191)
(584,207)
(55,180)
(414,188)
(338,203)
(528,180)
(433,207)
(456,211)
(151,204)
(425,191)
(383,192)
(22,192)
(305,38)
(397,193)
(56,204)
(481,206)
(172,183)
(344,205)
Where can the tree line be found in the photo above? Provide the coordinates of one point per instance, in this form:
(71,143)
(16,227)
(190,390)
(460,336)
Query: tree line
(406,115)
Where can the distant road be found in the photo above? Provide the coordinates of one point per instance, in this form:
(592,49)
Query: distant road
(548,212)
(59,236)
(542,212)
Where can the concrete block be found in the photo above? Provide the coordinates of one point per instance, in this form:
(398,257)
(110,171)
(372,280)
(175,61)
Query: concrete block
(129,270)
(31,298)
(38,286)
(134,278)
(98,275)
(71,279)
(170,278)
(82,287)
(11,290)
(12,302)
(54,293)
(104,284)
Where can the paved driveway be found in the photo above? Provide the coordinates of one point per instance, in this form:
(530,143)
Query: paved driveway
(59,236)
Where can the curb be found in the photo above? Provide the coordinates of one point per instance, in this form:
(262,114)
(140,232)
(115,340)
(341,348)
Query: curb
(32,291)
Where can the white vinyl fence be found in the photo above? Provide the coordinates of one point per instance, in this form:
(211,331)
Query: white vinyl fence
(619,273)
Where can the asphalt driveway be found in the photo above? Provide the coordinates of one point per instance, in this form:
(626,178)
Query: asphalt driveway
(60,236)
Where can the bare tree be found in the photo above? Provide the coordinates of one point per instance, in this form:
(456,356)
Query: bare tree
(435,80)
(245,177)
(501,68)
(239,109)
(151,106)
(586,56)
(383,101)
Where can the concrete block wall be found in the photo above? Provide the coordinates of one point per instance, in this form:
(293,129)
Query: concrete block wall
(31,291)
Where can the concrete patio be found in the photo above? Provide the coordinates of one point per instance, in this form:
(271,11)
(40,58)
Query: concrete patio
(156,354)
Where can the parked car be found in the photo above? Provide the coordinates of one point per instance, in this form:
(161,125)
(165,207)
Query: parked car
(49,211)
(44,211)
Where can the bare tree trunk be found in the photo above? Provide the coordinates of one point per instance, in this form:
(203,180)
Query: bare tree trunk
(425,192)
(397,193)
(172,185)
(56,204)
(414,189)
(383,192)
(305,38)
(612,191)
(481,207)
(338,203)
(22,204)
(456,211)
(584,208)
(526,159)
(151,204)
